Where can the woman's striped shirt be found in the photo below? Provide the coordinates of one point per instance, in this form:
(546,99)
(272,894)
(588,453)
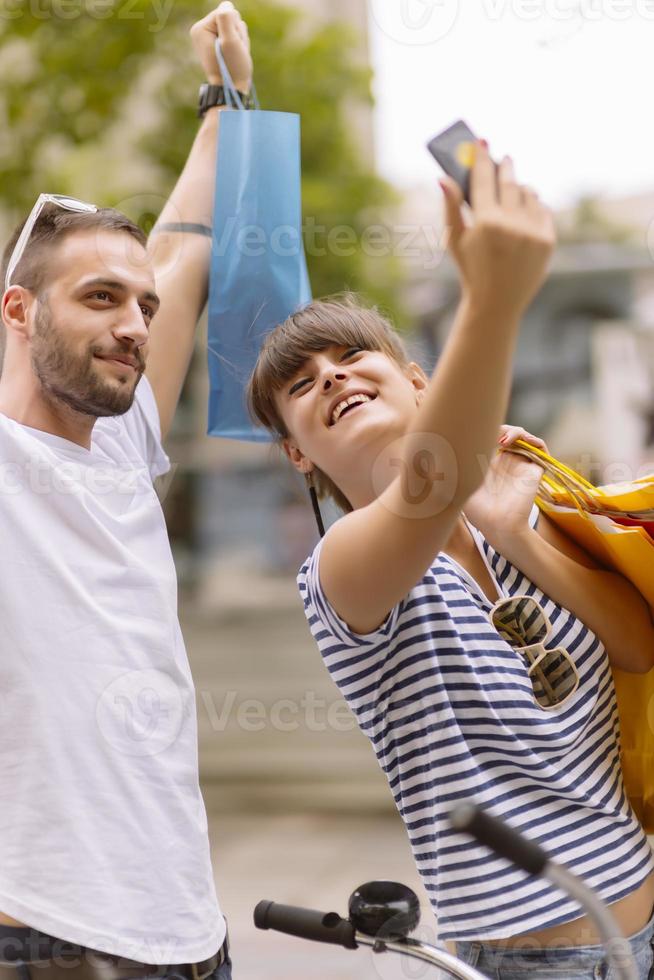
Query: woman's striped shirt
(448,707)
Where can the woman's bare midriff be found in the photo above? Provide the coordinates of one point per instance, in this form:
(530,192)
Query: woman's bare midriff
(6,920)
(631,913)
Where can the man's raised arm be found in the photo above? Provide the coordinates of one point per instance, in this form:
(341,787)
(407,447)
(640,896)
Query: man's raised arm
(179,243)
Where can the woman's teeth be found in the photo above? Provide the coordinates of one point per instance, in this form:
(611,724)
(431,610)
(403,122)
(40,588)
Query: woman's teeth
(343,405)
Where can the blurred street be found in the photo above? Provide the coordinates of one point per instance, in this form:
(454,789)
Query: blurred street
(317,862)
(274,732)
(299,810)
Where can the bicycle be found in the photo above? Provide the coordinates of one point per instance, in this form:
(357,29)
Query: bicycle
(382,914)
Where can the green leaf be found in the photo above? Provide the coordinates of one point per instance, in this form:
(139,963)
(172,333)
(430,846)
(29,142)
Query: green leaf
(104,107)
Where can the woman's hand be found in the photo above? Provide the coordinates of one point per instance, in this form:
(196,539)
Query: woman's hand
(225,23)
(512,433)
(503,252)
(502,505)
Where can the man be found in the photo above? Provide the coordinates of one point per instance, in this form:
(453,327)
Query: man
(103,830)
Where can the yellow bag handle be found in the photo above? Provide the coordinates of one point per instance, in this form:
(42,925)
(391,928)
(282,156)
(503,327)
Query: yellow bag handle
(558,479)
(562,484)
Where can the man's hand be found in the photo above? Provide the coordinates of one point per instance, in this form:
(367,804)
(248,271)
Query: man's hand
(503,503)
(180,255)
(225,23)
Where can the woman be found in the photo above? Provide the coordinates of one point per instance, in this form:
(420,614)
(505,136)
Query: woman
(466,688)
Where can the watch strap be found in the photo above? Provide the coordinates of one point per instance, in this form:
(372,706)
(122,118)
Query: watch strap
(215,95)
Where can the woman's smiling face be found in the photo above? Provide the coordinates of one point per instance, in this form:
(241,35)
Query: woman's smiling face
(343,406)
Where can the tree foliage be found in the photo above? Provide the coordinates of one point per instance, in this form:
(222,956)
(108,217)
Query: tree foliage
(97,100)
(589,222)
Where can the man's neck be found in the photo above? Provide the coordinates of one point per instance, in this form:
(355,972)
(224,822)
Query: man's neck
(36,410)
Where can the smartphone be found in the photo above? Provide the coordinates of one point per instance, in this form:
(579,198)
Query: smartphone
(454,150)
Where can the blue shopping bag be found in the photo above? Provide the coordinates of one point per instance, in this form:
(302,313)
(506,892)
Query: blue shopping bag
(258,268)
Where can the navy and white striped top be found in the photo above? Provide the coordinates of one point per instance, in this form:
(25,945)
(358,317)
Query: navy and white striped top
(449,709)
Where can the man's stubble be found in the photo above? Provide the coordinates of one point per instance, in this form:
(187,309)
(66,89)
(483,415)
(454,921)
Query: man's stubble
(73,379)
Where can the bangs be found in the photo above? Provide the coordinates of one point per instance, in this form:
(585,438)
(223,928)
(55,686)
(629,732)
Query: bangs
(290,345)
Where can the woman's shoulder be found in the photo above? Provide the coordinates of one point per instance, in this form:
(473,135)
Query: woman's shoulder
(440,566)
(440,590)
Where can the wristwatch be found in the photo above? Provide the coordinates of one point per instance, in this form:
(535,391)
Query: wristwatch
(211,95)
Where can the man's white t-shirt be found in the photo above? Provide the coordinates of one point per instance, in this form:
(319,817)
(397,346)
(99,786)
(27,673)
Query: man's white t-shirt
(103,829)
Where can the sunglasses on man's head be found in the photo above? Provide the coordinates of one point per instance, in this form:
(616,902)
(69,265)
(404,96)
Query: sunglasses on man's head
(67,203)
(521,622)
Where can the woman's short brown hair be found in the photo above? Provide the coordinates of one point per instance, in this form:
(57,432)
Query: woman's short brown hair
(340,321)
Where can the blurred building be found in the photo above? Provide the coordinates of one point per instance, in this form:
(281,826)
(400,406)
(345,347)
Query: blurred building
(583,377)
(356,15)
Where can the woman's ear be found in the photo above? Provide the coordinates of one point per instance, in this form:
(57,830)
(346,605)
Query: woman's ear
(296,456)
(418,379)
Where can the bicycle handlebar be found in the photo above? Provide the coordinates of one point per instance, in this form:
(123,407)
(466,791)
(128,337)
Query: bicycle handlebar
(323,927)
(533,859)
(331,928)
(499,837)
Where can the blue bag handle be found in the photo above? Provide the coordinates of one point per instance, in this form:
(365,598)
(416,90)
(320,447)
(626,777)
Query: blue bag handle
(235,101)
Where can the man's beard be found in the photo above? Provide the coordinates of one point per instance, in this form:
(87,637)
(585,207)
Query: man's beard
(73,378)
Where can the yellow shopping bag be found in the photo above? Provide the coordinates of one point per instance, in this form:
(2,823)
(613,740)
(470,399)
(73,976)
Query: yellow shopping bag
(589,516)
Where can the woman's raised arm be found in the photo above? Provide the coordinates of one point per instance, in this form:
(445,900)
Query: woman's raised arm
(372,557)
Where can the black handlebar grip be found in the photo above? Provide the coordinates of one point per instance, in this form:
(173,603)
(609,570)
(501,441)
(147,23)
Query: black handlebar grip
(322,927)
(499,837)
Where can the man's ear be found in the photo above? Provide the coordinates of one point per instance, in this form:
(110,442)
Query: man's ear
(418,379)
(296,456)
(16,306)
